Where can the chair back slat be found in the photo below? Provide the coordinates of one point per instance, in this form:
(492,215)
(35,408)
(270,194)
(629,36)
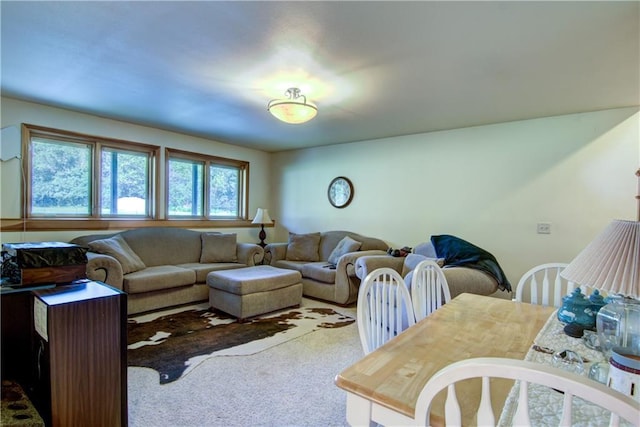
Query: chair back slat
(544,285)
(452,407)
(566,409)
(571,385)
(485,415)
(534,290)
(521,416)
(429,289)
(384,308)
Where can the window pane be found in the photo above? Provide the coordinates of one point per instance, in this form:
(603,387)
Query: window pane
(223,191)
(185,188)
(124,184)
(60,178)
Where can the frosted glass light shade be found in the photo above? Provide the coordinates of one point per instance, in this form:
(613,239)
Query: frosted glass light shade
(611,262)
(293,110)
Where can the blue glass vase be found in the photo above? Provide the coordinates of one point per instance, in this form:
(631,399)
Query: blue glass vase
(578,309)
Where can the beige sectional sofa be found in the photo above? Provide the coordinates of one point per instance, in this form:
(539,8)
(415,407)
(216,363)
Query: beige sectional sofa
(326,261)
(459,279)
(466,267)
(162,266)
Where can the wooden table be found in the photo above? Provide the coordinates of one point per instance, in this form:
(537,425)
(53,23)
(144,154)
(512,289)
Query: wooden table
(383,387)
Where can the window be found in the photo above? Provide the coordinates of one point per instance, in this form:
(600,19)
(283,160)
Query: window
(224,194)
(205,186)
(71,176)
(186,188)
(60,178)
(77,176)
(124,184)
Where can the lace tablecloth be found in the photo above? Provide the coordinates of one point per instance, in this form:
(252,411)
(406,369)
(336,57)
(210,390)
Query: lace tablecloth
(545,404)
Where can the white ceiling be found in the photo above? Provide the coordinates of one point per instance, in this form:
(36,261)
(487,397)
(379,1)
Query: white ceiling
(375,69)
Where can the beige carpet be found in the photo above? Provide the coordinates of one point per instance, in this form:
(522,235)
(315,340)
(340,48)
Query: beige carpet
(175,344)
(289,384)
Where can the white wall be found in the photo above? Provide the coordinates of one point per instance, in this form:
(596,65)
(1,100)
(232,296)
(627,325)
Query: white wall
(490,185)
(15,112)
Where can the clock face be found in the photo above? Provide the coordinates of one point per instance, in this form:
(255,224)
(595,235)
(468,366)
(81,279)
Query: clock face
(340,192)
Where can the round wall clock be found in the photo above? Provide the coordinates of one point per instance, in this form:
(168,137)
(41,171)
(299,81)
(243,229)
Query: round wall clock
(340,192)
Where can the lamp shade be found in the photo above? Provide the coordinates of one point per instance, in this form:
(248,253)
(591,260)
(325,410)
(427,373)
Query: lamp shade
(294,110)
(611,262)
(262,217)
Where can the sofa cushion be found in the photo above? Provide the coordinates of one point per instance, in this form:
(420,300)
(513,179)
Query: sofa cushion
(180,245)
(261,278)
(319,271)
(218,247)
(291,265)
(461,279)
(330,239)
(158,277)
(346,245)
(203,269)
(118,248)
(303,247)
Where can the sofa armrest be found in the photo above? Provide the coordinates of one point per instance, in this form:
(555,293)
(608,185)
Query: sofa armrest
(274,252)
(250,254)
(104,268)
(366,265)
(346,286)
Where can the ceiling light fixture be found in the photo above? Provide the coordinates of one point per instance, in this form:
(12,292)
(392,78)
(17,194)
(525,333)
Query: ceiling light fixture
(294,110)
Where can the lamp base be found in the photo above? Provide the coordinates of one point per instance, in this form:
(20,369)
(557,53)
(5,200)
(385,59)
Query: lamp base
(262,235)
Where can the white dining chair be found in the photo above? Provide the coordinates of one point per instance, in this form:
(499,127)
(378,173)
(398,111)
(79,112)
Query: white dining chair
(384,308)
(569,384)
(543,285)
(429,289)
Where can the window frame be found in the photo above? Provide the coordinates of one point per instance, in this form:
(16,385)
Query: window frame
(96,145)
(25,223)
(151,182)
(208,160)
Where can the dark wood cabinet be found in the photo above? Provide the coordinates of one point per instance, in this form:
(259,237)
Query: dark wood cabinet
(16,334)
(79,355)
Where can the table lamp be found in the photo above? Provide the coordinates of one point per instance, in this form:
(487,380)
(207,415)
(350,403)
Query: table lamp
(611,263)
(262,217)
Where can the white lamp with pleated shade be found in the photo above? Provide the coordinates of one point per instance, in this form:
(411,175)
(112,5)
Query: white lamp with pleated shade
(611,262)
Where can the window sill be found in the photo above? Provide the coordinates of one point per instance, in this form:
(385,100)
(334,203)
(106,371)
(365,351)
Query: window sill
(48,224)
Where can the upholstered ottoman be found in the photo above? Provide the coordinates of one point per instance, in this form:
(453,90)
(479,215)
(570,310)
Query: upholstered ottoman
(250,291)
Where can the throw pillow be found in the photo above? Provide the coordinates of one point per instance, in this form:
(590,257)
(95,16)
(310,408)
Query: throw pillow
(427,249)
(218,247)
(303,247)
(118,248)
(346,245)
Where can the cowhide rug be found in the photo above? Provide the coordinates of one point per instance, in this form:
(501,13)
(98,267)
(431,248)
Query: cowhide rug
(176,343)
